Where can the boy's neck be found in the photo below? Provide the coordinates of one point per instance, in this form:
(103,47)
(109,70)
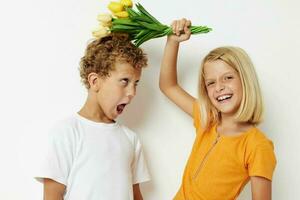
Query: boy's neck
(92,111)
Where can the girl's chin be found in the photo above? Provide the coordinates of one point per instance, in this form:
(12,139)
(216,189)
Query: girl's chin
(228,112)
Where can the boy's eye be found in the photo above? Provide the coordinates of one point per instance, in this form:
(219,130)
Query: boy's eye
(125,81)
(136,83)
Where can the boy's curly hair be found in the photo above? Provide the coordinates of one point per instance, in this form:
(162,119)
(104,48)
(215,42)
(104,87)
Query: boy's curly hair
(101,55)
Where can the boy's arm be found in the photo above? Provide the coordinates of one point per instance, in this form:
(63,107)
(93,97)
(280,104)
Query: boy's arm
(53,190)
(136,192)
(261,188)
(168,73)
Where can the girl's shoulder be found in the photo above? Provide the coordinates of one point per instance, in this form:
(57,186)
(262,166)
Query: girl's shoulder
(257,137)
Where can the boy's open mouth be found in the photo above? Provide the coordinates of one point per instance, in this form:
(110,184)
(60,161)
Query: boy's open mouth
(121,107)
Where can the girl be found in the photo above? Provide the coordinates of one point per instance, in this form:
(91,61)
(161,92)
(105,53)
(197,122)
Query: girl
(229,150)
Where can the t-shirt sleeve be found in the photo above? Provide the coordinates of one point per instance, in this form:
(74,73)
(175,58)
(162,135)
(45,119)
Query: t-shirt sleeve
(57,156)
(262,160)
(140,171)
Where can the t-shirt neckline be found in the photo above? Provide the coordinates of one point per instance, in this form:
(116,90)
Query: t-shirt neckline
(94,123)
(233,137)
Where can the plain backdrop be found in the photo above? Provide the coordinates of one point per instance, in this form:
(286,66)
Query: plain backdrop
(42,42)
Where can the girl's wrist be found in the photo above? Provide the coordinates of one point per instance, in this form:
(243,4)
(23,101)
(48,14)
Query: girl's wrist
(172,41)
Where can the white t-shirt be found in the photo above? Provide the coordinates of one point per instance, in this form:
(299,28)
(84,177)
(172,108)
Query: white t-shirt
(96,161)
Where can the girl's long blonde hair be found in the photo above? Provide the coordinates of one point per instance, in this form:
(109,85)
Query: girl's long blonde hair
(251,107)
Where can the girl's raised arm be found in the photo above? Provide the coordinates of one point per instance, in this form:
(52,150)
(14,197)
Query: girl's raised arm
(168,74)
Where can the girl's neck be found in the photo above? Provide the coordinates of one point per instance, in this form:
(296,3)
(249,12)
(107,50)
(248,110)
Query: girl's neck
(229,126)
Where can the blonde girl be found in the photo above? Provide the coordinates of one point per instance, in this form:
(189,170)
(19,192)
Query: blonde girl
(229,149)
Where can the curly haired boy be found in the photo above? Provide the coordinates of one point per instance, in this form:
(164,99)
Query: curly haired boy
(90,155)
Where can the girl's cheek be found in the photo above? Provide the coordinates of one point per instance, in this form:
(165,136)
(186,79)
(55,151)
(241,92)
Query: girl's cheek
(210,95)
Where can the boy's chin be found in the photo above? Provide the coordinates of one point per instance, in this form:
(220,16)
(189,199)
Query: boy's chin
(115,115)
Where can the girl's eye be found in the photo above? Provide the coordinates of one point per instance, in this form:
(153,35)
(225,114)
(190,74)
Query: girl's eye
(209,83)
(228,77)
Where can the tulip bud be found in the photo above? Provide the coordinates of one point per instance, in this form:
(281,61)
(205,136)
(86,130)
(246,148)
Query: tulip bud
(105,20)
(115,7)
(122,14)
(100,32)
(127,3)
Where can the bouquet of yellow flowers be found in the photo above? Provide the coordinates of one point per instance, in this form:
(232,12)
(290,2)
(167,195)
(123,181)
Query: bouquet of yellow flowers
(139,24)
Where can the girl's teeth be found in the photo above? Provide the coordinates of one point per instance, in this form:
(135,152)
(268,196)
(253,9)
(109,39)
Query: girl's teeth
(223,97)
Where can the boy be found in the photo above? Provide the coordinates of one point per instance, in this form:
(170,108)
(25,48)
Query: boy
(90,155)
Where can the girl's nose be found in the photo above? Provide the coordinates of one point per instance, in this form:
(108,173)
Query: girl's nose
(220,87)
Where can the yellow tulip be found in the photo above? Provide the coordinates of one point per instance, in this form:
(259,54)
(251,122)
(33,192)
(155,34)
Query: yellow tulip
(105,20)
(122,14)
(127,3)
(108,25)
(115,7)
(100,32)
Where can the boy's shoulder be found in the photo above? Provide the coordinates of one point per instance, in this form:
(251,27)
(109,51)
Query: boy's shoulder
(132,136)
(64,123)
(63,127)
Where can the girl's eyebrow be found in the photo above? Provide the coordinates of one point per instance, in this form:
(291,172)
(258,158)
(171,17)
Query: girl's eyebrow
(226,73)
(230,72)
(208,79)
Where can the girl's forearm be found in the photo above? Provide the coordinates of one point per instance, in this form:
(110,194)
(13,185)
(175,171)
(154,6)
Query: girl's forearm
(168,72)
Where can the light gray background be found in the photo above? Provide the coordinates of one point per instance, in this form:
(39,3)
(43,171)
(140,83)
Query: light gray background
(42,41)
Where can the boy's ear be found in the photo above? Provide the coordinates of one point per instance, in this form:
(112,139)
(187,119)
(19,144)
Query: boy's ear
(94,81)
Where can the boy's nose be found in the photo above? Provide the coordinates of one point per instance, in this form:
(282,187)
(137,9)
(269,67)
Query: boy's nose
(131,92)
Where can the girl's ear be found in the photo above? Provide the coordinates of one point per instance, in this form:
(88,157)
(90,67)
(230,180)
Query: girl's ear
(94,81)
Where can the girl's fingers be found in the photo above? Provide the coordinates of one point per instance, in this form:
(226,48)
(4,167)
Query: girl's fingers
(184,26)
(187,30)
(188,23)
(181,26)
(173,26)
(178,27)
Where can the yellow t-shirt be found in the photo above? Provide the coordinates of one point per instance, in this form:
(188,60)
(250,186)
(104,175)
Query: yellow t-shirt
(220,166)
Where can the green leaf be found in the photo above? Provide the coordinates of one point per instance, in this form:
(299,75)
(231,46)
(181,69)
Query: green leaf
(131,12)
(200,29)
(125,27)
(124,22)
(145,12)
(141,33)
(154,27)
(145,38)
(140,18)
